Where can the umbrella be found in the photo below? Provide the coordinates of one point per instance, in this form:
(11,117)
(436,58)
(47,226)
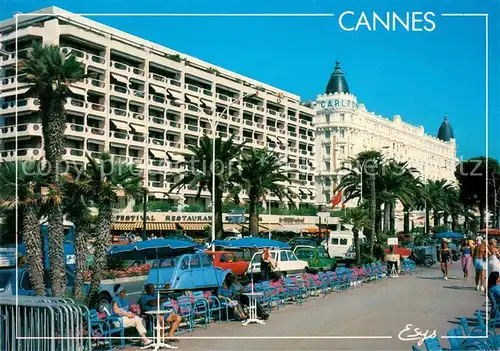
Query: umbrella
(149,249)
(451,235)
(257,243)
(491,231)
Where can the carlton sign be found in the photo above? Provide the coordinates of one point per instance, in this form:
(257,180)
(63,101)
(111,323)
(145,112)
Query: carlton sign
(337,103)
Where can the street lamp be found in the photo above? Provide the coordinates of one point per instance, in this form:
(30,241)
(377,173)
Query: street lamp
(214,121)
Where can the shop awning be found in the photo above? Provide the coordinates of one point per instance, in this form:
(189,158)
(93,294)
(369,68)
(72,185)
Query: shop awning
(159,226)
(156,89)
(120,125)
(125,226)
(120,78)
(175,95)
(175,157)
(295,228)
(276,227)
(157,153)
(232,227)
(208,104)
(262,229)
(13,92)
(272,138)
(315,229)
(194,226)
(193,99)
(138,129)
(77,90)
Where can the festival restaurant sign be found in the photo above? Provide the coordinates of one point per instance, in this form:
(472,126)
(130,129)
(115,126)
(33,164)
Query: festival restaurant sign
(180,217)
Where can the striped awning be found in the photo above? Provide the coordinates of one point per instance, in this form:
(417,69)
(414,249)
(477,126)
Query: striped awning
(159,226)
(262,229)
(124,226)
(194,226)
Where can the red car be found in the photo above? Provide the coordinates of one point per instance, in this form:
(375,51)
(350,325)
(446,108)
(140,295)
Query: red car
(402,251)
(228,260)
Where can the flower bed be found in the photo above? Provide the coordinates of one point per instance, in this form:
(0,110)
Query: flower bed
(134,271)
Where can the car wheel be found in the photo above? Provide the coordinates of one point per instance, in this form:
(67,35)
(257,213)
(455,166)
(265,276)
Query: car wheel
(103,301)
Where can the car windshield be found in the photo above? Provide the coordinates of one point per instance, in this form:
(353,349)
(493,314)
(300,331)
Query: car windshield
(4,279)
(322,253)
(304,254)
(166,262)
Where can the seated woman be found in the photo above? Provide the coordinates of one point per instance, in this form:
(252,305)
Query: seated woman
(494,293)
(149,302)
(122,308)
(231,290)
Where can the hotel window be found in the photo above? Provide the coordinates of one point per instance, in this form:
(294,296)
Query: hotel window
(342,117)
(342,149)
(327,150)
(327,118)
(341,132)
(327,134)
(327,166)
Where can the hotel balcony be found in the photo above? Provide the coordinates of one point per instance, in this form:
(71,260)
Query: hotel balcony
(130,71)
(85,57)
(29,104)
(166,81)
(10,59)
(22,154)
(10,82)
(27,129)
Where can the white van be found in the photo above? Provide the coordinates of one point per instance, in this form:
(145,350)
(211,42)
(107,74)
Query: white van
(338,243)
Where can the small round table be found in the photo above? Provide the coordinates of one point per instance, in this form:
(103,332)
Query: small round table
(252,297)
(157,343)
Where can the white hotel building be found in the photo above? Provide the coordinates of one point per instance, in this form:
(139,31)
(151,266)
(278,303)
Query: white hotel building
(344,128)
(147,103)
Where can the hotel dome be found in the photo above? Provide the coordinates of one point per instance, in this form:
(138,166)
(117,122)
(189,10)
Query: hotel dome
(445,132)
(337,82)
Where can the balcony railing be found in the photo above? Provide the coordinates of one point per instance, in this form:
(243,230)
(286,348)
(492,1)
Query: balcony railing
(126,68)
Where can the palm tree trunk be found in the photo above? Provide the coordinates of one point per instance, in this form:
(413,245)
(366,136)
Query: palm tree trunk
(254,216)
(427,220)
(56,250)
(454,221)
(81,251)
(436,218)
(219,229)
(53,127)
(392,220)
(34,249)
(445,218)
(386,218)
(373,204)
(355,233)
(481,217)
(104,221)
(406,221)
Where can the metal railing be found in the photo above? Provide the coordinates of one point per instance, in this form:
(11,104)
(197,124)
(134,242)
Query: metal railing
(41,323)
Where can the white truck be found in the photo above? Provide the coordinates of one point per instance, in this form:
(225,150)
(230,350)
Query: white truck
(340,244)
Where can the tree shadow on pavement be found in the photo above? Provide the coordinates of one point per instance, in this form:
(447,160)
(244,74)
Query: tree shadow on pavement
(455,287)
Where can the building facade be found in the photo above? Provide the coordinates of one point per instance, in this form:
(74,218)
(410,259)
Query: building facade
(344,128)
(146,104)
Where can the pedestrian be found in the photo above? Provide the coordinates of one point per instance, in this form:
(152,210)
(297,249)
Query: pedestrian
(494,293)
(445,255)
(480,254)
(149,302)
(466,257)
(121,308)
(493,253)
(266,264)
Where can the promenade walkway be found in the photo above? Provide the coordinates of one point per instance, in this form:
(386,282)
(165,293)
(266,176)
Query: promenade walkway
(377,310)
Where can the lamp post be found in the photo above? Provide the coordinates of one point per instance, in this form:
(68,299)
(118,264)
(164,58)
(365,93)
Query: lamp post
(144,212)
(214,121)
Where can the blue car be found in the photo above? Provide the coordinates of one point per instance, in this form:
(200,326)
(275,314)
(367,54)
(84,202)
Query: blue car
(8,285)
(187,272)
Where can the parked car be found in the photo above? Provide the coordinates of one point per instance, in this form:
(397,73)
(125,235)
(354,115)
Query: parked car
(8,285)
(302,240)
(317,258)
(187,272)
(228,260)
(286,262)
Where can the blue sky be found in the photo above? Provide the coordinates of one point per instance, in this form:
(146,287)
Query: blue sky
(418,75)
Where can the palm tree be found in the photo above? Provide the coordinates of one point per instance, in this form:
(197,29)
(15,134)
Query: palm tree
(50,73)
(436,192)
(29,201)
(76,206)
(106,182)
(369,163)
(262,172)
(359,218)
(199,171)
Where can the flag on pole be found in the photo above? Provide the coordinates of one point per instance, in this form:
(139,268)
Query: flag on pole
(337,199)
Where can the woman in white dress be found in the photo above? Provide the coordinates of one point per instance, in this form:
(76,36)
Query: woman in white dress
(493,261)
